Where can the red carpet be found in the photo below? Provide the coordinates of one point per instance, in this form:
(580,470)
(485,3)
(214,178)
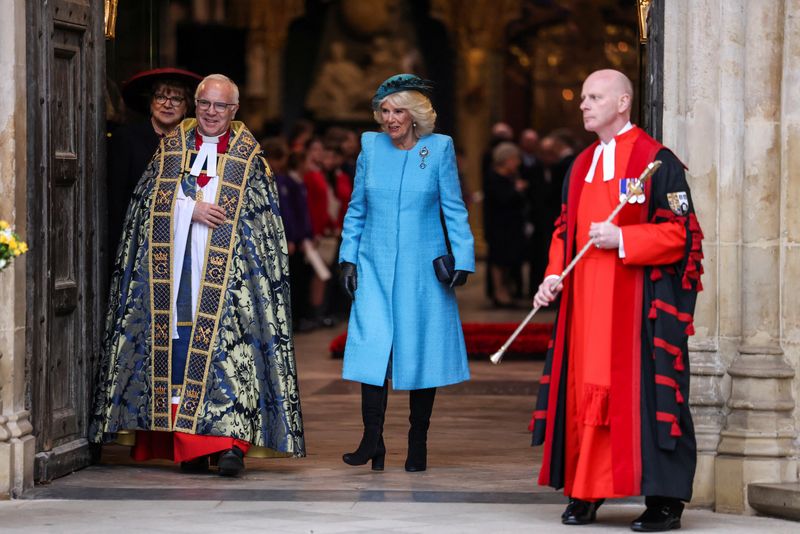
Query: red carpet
(483,339)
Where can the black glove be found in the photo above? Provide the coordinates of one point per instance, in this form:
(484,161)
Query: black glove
(459,278)
(348,278)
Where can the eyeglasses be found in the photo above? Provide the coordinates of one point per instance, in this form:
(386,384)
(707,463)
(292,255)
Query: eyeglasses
(174,100)
(220,107)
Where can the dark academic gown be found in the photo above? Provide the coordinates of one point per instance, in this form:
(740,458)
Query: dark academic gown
(612,411)
(504,220)
(544,198)
(132,148)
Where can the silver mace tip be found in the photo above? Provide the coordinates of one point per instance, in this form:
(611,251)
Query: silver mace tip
(496,357)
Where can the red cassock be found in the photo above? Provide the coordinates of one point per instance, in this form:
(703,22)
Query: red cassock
(592,386)
(179,446)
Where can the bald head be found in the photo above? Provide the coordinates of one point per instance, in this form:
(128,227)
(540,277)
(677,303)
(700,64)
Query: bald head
(606,100)
(501,130)
(614,79)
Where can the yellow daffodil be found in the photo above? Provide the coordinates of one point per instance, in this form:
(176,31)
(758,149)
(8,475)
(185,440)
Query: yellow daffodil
(11,245)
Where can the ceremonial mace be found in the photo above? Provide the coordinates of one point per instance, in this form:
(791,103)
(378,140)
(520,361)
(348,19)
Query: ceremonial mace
(631,192)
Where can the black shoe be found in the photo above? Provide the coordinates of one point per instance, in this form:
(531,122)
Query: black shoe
(580,512)
(198,465)
(658,518)
(231,462)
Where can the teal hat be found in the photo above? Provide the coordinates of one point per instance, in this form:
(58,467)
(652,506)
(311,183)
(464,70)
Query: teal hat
(401,82)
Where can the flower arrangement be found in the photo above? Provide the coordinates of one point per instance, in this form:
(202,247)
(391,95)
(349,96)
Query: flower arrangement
(11,245)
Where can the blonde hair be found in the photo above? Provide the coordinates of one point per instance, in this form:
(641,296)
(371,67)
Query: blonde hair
(418,106)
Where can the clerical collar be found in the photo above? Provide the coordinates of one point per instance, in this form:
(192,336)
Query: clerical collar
(207,153)
(609,152)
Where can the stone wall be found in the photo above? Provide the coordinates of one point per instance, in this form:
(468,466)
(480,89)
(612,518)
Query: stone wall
(16,439)
(731,70)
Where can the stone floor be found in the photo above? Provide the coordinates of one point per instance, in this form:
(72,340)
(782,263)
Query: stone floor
(481,475)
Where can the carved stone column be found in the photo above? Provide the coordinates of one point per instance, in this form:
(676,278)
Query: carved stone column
(17,444)
(700,125)
(757,443)
(790,197)
(269,26)
(477,30)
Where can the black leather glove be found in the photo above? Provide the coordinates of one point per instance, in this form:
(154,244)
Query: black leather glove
(348,278)
(459,278)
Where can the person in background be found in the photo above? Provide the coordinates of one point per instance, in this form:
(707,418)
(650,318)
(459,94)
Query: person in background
(500,132)
(300,269)
(296,220)
(323,208)
(556,154)
(528,149)
(164,96)
(339,183)
(292,195)
(530,170)
(350,147)
(301,133)
(504,205)
(340,187)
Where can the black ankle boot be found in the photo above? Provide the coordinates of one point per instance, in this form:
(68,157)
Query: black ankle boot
(373,408)
(421,404)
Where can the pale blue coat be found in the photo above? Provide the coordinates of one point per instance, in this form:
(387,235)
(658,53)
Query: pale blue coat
(392,233)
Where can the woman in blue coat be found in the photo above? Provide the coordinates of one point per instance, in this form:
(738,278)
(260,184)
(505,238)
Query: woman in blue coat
(404,323)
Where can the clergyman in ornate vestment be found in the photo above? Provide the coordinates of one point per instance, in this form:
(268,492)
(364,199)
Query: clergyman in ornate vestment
(197,357)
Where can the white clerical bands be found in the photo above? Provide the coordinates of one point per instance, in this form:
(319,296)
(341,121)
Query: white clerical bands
(207,155)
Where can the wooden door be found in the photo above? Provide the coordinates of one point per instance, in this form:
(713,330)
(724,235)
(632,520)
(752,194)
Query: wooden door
(65,192)
(651,72)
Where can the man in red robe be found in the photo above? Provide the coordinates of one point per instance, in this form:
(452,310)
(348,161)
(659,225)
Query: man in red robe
(613,411)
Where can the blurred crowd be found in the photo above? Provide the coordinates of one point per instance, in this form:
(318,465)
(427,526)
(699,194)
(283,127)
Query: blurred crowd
(522,181)
(521,199)
(314,174)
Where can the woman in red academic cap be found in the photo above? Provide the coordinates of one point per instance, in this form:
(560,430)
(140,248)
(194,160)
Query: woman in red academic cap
(165,95)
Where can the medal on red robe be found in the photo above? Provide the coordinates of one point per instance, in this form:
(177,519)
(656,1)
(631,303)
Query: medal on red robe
(632,189)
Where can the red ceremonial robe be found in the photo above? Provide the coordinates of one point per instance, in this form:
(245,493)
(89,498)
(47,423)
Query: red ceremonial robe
(597,429)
